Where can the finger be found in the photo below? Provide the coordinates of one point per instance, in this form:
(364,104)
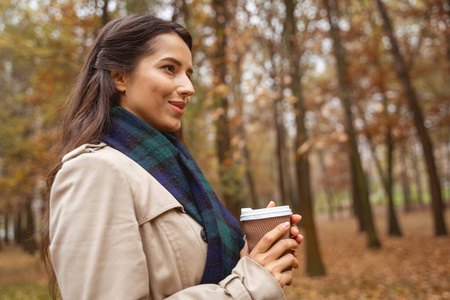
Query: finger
(284,278)
(269,238)
(295,234)
(281,247)
(294,231)
(295,219)
(271,204)
(298,238)
(287,261)
(291,280)
(244,251)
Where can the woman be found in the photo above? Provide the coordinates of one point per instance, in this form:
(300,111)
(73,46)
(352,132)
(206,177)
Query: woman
(131,216)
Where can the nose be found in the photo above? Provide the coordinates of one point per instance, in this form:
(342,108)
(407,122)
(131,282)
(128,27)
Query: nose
(186,89)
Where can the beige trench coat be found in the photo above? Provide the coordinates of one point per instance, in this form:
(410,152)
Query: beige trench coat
(117,233)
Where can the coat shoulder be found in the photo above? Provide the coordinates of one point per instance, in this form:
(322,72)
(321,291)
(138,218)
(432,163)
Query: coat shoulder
(151,198)
(98,155)
(85,148)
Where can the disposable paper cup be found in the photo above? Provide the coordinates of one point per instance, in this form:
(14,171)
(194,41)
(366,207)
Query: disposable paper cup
(257,222)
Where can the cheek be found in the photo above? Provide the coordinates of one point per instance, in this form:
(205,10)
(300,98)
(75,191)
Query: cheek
(163,86)
(153,88)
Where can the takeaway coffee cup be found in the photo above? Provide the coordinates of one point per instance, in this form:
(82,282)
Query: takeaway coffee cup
(258,222)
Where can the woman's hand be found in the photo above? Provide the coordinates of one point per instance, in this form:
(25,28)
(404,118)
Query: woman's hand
(295,233)
(268,256)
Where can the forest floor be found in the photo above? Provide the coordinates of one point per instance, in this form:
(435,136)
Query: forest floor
(415,266)
(22,276)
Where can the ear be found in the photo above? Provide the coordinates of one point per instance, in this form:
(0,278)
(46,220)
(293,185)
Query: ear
(119,80)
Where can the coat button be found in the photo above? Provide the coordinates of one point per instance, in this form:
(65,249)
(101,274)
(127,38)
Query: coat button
(203,234)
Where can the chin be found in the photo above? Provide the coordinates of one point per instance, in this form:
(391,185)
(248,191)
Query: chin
(173,128)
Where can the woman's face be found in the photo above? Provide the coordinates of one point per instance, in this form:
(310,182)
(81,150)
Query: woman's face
(160,87)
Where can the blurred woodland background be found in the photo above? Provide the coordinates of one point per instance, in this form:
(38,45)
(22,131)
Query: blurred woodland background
(339,109)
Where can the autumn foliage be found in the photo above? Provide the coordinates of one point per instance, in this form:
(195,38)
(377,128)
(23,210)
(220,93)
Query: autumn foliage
(316,104)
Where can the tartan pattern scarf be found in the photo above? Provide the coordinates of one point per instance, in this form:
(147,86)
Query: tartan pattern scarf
(168,160)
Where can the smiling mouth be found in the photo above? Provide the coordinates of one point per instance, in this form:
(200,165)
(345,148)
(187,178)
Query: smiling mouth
(178,106)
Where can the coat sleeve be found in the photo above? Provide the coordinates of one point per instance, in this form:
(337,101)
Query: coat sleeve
(95,245)
(97,251)
(248,281)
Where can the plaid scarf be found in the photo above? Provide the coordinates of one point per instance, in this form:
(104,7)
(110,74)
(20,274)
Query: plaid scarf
(168,160)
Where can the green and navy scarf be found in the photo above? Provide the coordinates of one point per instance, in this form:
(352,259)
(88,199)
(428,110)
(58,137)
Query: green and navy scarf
(168,160)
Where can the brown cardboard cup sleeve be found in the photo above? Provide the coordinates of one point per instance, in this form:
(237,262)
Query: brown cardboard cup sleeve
(257,222)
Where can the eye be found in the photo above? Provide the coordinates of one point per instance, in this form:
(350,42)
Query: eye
(169,68)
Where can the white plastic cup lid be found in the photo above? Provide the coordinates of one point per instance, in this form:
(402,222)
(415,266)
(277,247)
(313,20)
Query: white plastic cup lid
(248,214)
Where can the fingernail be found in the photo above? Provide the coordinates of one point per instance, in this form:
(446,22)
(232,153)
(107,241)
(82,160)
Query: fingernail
(286,225)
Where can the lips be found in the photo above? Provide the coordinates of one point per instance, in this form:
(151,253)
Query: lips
(178,106)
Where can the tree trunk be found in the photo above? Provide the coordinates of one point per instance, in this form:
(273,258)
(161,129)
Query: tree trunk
(18,232)
(6,239)
(314,265)
(410,94)
(176,10)
(326,184)
(393,226)
(105,14)
(241,128)
(282,153)
(249,177)
(29,242)
(181,7)
(385,175)
(386,179)
(405,179)
(359,180)
(227,167)
(280,149)
(356,201)
(417,176)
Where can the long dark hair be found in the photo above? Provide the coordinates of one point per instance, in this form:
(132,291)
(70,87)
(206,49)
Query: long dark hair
(85,119)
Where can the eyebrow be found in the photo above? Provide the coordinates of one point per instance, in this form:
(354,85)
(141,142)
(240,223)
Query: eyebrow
(177,62)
